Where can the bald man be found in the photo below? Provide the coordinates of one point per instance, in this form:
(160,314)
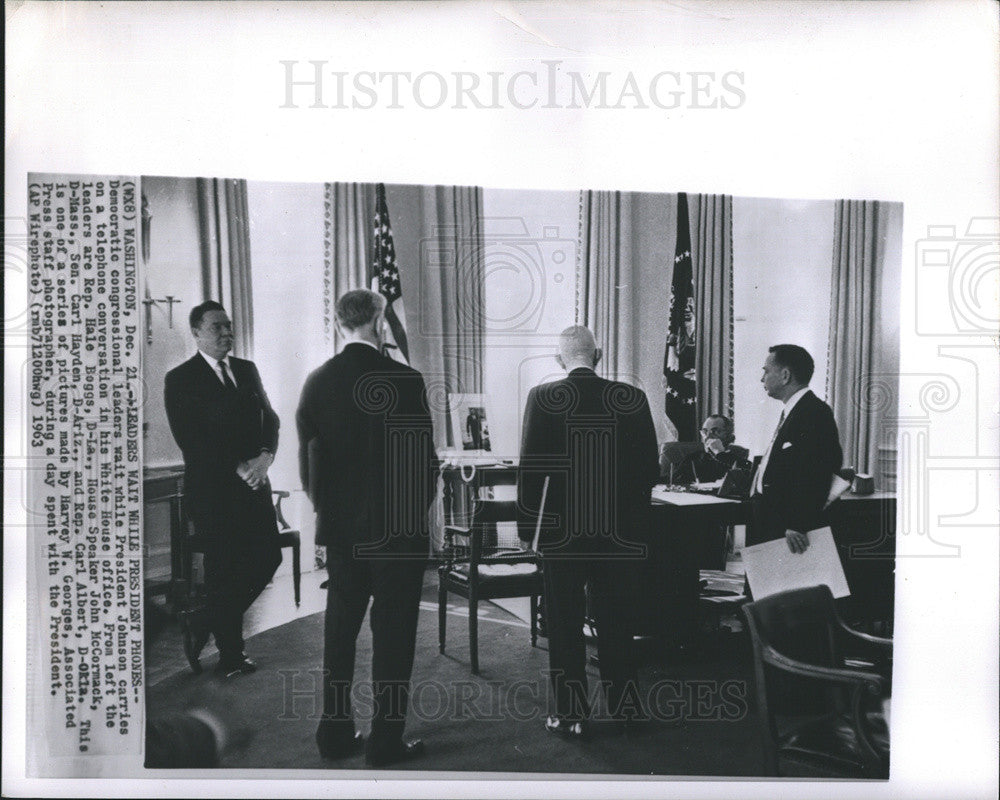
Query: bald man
(595,442)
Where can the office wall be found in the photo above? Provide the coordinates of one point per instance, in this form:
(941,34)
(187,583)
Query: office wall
(530,295)
(174,269)
(782,265)
(654,234)
(533,245)
(286,253)
(782,252)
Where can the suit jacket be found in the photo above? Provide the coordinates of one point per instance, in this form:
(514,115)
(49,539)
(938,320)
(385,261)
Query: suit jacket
(596,442)
(366,452)
(216,430)
(805,455)
(703,467)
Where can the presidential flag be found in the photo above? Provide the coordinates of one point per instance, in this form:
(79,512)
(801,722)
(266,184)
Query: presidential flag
(679,356)
(385,280)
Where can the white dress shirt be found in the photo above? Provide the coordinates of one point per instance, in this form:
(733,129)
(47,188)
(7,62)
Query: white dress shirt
(214,364)
(758,481)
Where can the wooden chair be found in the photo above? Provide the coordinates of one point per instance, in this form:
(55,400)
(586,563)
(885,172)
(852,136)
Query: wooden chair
(478,568)
(818,705)
(287,537)
(672,454)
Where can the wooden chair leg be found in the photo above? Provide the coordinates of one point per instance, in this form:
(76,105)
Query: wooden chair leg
(297,572)
(442,615)
(534,620)
(474,634)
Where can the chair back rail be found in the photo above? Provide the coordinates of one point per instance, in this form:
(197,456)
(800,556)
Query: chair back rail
(799,635)
(476,566)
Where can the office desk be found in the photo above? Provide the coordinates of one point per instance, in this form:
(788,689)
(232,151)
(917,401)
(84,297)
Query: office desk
(864,530)
(164,527)
(666,587)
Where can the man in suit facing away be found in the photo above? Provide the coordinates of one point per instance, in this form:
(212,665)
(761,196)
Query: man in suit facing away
(223,422)
(594,440)
(792,482)
(366,454)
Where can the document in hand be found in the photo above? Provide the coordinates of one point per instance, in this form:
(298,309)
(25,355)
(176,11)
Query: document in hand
(771,567)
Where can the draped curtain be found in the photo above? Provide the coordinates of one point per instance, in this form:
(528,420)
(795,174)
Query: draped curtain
(451,296)
(224,233)
(349,213)
(605,281)
(438,233)
(450,311)
(858,256)
(441,274)
(711,222)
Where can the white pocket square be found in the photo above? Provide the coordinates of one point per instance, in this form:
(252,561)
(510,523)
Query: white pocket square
(786,445)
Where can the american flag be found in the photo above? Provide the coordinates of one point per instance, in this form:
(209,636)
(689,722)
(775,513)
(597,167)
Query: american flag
(385,278)
(679,356)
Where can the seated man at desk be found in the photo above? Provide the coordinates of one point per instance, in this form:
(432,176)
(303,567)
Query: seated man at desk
(717,455)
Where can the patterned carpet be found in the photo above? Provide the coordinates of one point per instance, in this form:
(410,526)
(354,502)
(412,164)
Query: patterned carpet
(489,723)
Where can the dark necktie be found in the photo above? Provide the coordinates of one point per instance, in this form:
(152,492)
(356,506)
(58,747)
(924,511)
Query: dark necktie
(226,380)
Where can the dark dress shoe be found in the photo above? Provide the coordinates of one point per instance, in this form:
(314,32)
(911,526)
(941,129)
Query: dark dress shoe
(195,633)
(566,728)
(401,751)
(330,748)
(237,665)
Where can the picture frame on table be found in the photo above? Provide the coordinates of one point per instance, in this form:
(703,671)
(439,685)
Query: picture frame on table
(469,422)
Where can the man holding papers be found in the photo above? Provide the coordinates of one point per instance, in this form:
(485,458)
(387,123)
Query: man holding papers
(792,483)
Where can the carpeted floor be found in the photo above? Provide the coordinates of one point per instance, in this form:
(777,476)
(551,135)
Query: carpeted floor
(490,723)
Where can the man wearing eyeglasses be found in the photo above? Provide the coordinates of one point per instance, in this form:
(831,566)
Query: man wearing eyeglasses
(717,456)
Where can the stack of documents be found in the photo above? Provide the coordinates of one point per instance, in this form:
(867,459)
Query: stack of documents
(771,567)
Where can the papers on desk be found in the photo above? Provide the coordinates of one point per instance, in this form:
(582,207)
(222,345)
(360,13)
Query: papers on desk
(662,495)
(771,567)
(475,458)
(709,485)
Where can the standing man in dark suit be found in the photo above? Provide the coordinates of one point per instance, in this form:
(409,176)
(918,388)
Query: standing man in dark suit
(223,422)
(594,440)
(791,485)
(366,454)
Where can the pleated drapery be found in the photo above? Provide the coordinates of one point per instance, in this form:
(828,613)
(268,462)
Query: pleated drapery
(349,213)
(224,235)
(711,221)
(605,281)
(452,302)
(855,332)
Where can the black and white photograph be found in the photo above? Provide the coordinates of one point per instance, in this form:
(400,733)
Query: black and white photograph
(498,399)
(468,419)
(583,604)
